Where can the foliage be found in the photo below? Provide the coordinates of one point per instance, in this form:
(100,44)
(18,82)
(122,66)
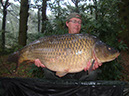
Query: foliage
(111,71)
(36,72)
(122,46)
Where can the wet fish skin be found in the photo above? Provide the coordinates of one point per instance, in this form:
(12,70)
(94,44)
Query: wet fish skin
(68,53)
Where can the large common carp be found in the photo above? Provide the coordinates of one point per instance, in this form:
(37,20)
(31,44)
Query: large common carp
(68,53)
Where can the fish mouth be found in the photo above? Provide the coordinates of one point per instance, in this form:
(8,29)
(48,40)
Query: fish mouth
(118,54)
(113,57)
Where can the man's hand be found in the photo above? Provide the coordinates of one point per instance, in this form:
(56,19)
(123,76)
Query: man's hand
(38,63)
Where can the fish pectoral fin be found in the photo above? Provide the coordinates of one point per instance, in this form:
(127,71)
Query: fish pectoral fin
(61,74)
(91,67)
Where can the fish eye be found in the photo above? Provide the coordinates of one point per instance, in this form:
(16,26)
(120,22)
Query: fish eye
(109,48)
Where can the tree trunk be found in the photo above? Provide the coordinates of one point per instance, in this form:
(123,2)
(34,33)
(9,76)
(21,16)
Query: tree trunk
(44,16)
(39,8)
(3,27)
(5,6)
(96,9)
(23,22)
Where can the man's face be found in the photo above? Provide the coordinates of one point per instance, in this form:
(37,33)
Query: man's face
(74,25)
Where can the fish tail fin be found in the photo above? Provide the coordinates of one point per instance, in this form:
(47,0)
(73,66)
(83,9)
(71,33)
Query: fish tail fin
(14,57)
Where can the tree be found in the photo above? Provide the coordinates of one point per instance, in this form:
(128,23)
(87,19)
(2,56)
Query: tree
(39,8)
(5,6)
(23,22)
(37,5)
(44,16)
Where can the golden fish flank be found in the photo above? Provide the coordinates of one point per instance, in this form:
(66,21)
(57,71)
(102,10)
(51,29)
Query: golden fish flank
(68,53)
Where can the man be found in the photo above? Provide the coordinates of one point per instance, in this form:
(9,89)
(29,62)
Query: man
(73,22)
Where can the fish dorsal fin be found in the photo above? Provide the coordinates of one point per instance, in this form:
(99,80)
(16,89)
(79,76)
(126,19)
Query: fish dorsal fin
(61,74)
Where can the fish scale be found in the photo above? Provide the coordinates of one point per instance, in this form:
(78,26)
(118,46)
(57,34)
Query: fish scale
(68,53)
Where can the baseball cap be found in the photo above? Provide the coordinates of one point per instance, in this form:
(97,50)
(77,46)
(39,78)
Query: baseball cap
(73,15)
